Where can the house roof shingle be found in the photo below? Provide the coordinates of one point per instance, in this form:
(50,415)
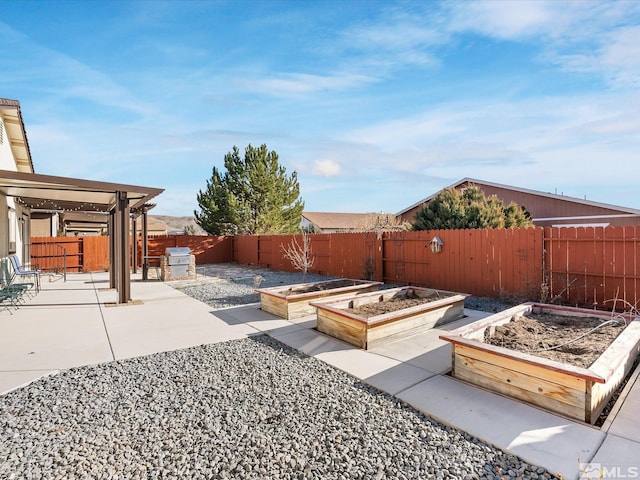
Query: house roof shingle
(339,221)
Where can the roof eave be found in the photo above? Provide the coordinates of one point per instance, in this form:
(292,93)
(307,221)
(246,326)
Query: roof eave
(21,143)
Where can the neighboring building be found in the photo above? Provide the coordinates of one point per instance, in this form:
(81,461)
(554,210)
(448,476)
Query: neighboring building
(83,223)
(330,222)
(546,209)
(15,156)
(44,224)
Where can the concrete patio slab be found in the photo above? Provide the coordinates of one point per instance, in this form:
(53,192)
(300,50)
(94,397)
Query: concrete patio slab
(384,373)
(310,342)
(381,372)
(12,380)
(617,458)
(625,422)
(426,350)
(537,437)
(158,326)
(53,337)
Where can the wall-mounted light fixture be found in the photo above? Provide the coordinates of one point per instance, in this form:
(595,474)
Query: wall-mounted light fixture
(436,244)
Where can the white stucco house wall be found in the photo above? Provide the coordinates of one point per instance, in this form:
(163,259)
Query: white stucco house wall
(14,156)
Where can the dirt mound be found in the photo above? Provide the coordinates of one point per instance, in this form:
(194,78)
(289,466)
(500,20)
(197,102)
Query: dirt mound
(411,299)
(551,337)
(319,287)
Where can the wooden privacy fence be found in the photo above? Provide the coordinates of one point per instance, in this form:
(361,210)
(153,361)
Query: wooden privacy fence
(596,267)
(91,253)
(481,262)
(55,254)
(582,266)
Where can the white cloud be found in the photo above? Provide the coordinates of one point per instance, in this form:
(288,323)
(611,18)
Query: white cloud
(504,19)
(299,84)
(617,58)
(326,168)
(577,36)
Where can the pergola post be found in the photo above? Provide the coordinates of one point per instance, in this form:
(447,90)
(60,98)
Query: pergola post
(112,250)
(123,275)
(145,246)
(134,247)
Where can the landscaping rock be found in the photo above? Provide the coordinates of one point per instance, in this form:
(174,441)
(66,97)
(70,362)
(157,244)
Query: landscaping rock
(251,408)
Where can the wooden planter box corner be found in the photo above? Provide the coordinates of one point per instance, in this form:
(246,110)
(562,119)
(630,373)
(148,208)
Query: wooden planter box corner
(575,392)
(287,301)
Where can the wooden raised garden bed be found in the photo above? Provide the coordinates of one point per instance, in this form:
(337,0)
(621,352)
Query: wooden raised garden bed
(576,392)
(372,319)
(292,301)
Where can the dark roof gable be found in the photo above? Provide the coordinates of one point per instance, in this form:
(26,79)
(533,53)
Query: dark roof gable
(524,190)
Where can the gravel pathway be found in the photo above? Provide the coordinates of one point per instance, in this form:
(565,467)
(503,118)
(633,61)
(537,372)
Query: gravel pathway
(235,285)
(231,285)
(251,408)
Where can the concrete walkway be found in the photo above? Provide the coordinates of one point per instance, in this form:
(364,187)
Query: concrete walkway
(74,323)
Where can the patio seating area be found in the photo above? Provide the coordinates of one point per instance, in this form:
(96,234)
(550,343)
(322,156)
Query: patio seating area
(79,322)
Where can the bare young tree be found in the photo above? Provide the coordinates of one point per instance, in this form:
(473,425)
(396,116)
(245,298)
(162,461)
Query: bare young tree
(382,222)
(300,255)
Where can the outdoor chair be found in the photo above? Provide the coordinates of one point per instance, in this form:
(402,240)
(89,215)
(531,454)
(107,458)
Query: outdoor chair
(9,282)
(11,293)
(20,271)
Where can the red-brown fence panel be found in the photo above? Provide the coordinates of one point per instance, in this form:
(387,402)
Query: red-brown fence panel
(265,251)
(95,253)
(50,253)
(207,249)
(593,266)
(274,247)
(245,249)
(351,255)
(320,246)
(481,262)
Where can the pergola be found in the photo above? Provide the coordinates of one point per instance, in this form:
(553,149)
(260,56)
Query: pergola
(74,194)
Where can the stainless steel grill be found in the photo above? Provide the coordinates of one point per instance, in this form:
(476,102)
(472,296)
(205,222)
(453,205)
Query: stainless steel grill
(179,259)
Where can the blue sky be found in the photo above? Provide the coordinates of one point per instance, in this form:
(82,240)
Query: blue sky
(376,105)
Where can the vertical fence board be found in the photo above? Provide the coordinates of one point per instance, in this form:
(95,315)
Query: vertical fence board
(321,249)
(631,262)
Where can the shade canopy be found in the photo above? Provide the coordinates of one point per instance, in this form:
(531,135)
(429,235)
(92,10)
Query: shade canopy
(73,194)
(49,192)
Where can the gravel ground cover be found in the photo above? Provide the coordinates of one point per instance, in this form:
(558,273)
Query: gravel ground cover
(234,285)
(251,408)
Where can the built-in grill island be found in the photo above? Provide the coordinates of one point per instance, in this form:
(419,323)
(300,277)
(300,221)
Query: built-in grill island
(178,264)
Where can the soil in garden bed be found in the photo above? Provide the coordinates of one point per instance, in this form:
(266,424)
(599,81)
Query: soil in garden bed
(536,334)
(396,303)
(319,287)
